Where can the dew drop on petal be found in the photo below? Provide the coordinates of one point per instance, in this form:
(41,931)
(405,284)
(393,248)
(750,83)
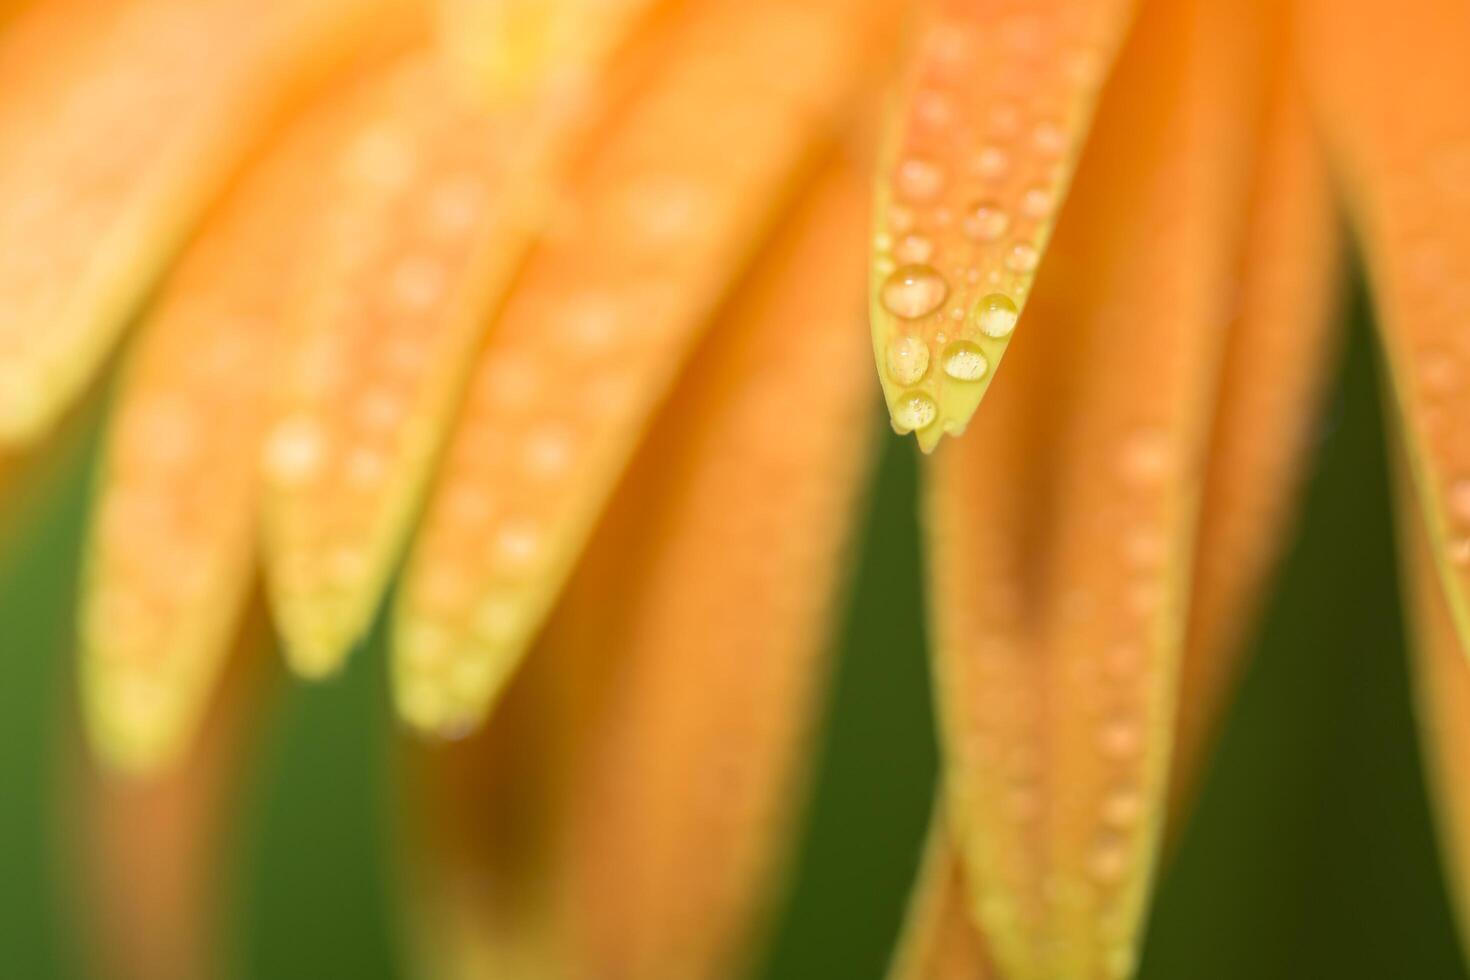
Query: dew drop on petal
(914,411)
(914,250)
(913,291)
(919,179)
(908,360)
(964,361)
(991,163)
(293,452)
(1037,202)
(1023,257)
(986,222)
(995,315)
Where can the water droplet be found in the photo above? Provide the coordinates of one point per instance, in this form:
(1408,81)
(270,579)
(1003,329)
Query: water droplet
(914,411)
(1143,547)
(964,361)
(1120,739)
(1049,138)
(1122,807)
(991,163)
(995,315)
(1459,501)
(919,179)
(517,544)
(913,291)
(1022,257)
(986,222)
(908,360)
(1109,859)
(1145,457)
(900,219)
(933,108)
(914,250)
(293,453)
(1037,202)
(416,283)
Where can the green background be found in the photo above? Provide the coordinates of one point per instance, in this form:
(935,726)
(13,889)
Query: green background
(1310,853)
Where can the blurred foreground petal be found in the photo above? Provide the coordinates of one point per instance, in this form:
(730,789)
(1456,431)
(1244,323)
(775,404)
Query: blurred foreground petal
(650,753)
(170,556)
(661,220)
(1280,353)
(505,49)
(1061,531)
(989,127)
(154,863)
(118,123)
(1402,136)
(940,941)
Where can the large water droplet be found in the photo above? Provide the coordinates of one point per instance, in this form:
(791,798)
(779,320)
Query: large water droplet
(908,360)
(986,222)
(995,315)
(964,361)
(919,179)
(913,291)
(991,163)
(914,411)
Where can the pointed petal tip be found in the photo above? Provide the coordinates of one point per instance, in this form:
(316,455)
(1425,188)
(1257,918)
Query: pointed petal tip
(445,684)
(317,634)
(134,728)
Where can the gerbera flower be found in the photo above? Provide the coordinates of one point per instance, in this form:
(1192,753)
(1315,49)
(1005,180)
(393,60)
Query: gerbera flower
(538,323)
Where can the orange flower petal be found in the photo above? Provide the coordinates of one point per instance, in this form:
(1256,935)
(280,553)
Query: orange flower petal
(506,49)
(661,219)
(664,714)
(1442,692)
(171,555)
(996,112)
(118,123)
(1279,353)
(1407,177)
(151,850)
(940,941)
(1061,530)
(438,200)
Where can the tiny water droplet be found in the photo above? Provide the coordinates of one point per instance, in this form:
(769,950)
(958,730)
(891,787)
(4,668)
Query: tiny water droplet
(908,360)
(1109,860)
(1037,202)
(1050,138)
(1119,739)
(919,179)
(914,291)
(914,411)
(1459,501)
(995,315)
(1145,457)
(964,361)
(1122,807)
(991,163)
(1023,257)
(986,222)
(914,250)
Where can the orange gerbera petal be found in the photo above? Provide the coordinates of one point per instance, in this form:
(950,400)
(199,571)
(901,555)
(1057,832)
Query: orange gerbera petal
(1406,175)
(940,941)
(171,555)
(118,122)
(660,220)
(152,850)
(660,724)
(1061,531)
(1442,691)
(1275,361)
(996,111)
(506,49)
(1279,353)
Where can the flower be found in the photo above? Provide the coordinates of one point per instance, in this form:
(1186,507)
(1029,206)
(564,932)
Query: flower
(1098,537)
(533,321)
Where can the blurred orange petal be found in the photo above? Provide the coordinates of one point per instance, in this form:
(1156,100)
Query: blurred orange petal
(659,223)
(1279,353)
(170,558)
(661,723)
(505,49)
(1061,530)
(154,851)
(939,940)
(1401,133)
(990,123)
(118,123)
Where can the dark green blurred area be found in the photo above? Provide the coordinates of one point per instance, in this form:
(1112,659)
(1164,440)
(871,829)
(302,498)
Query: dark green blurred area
(1310,854)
